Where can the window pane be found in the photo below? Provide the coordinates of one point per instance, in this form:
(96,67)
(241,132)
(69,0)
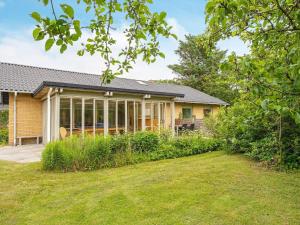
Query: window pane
(88,115)
(121,116)
(77,116)
(186,113)
(130,116)
(64,113)
(138,116)
(148,116)
(155,115)
(112,114)
(162,115)
(207,112)
(99,117)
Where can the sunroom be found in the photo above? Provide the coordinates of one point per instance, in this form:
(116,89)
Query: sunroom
(67,112)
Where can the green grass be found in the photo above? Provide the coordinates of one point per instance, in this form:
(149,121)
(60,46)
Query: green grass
(212,188)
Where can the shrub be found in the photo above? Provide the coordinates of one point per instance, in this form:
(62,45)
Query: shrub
(3,136)
(89,153)
(145,141)
(3,119)
(120,143)
(54,157)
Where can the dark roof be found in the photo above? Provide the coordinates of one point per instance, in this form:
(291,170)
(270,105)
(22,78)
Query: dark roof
(29,79)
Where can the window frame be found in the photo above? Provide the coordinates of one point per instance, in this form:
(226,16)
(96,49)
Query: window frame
(191,111)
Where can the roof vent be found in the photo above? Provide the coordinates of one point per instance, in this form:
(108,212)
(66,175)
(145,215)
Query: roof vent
(141,82)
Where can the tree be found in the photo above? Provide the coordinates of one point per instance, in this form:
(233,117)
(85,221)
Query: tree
(268,78)
(142,33)
(199,67)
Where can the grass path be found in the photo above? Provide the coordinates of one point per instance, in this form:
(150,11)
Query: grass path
(212,188)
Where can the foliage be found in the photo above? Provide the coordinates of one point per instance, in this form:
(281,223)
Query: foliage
(89,153)
(266,114)
(199,67)
(4,127)
(145,141)
(3,136)
(76,153)
(3,118)
(144,28)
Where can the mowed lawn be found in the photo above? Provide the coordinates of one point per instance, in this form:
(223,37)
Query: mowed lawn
(212,188)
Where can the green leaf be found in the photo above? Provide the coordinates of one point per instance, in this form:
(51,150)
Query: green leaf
(36,32)
(76,24)
(59,42)
(45,2)
(36,16)
(80,52)
(162,55)
(63,48)
(49,43)
(68,10)
(74,37)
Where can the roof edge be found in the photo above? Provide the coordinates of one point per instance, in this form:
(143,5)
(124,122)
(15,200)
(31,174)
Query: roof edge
(100,88)
(204,103)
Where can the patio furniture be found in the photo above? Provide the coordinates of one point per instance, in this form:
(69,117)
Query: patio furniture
(63,132)
(20,138)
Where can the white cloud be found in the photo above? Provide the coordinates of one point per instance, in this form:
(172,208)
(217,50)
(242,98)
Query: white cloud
(233,45)
(19,47)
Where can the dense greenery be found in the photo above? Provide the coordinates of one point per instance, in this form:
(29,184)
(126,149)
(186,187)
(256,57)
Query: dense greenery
(3,127)
(264,122)
(199,68)
(207,189)
(65,27)
(89,153)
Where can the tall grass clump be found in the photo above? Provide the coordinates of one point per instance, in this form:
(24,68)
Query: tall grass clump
(90,153)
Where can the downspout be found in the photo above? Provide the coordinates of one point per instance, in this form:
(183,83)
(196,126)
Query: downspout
(49,115)
(15,118)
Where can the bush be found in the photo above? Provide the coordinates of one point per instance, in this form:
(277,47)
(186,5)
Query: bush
(76,153)
(90,153)
(145,141)
(3,119)
(3,136)
(54,156)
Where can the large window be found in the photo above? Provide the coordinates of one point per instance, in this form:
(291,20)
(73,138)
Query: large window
(99,117)
(130,116)
(77,116)
(162,115)
(148,115)
(88,115)
(138,116)
(65,116)
(187,113)
(111,114)
(121,116)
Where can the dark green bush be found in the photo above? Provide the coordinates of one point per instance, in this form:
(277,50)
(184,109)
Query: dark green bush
(145,141)
(120,143)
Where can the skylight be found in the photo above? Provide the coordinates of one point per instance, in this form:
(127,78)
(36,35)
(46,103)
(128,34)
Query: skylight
(141,82)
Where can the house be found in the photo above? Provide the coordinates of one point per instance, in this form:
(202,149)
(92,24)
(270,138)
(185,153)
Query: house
(43,103)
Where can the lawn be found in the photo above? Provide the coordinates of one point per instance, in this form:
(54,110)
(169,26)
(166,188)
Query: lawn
(212,188)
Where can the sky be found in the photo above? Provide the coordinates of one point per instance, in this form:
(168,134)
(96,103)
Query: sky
(18,46)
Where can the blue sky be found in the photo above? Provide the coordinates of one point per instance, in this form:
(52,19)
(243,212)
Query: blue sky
(17,45)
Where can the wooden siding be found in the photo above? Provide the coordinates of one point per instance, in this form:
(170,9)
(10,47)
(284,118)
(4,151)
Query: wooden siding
(29,116)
